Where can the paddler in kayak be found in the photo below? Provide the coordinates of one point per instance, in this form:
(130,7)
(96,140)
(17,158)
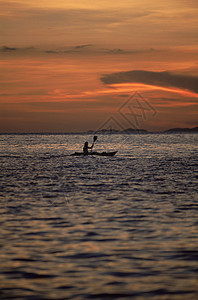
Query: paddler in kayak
(86,146)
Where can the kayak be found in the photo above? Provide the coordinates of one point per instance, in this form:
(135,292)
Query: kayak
(95,153)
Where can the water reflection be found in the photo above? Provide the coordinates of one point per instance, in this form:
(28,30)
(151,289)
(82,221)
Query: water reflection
(96,228)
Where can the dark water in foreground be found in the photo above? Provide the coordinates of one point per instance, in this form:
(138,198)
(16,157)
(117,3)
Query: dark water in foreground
(124,227)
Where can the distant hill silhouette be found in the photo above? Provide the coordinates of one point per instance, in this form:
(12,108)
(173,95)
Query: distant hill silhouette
(113,131)
(128,130)
(143,131)
(182,130)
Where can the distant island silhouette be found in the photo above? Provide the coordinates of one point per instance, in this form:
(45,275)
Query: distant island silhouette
(143,131)
(114,131)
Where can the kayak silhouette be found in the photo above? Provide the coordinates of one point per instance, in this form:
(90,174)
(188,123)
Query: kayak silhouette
(111,153)
(87,152)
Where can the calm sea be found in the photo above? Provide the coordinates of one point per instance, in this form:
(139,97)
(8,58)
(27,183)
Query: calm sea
(122,227)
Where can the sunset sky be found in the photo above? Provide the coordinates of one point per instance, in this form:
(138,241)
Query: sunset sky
(73,65)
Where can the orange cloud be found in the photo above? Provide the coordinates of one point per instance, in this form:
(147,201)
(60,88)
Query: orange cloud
(162,79)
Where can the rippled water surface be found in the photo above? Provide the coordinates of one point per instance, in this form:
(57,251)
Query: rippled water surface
(122,227)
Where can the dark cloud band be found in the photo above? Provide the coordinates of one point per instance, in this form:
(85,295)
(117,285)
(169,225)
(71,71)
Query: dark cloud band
(165,79)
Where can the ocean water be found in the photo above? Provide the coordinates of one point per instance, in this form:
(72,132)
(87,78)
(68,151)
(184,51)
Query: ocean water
(122,227)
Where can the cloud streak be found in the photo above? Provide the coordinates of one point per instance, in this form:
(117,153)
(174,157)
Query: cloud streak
(81,49)
(164,79)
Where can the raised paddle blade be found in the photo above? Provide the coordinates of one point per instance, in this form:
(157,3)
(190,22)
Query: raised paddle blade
(95,138)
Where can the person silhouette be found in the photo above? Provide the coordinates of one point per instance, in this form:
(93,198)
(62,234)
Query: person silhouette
(86,146)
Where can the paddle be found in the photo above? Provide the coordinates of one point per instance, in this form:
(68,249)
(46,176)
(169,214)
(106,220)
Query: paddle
(94,139)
